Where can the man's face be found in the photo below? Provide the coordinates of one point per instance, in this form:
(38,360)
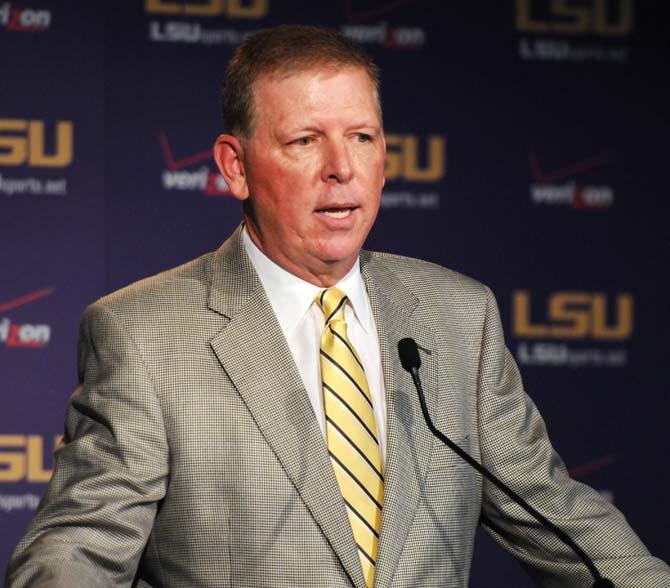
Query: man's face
(314,170)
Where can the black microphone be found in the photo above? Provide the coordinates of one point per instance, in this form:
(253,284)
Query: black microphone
(410,360)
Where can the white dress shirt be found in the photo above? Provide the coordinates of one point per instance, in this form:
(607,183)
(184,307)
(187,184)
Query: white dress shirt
(302,322)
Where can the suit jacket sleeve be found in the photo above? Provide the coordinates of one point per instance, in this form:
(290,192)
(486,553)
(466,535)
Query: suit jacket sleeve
(515,446)
(93,523)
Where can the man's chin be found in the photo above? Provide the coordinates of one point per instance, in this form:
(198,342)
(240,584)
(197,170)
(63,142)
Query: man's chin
(335,253)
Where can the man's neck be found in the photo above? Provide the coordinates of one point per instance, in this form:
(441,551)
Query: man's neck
(325,276)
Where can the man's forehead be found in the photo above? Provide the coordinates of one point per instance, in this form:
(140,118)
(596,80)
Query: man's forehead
(264,88)
(323,70)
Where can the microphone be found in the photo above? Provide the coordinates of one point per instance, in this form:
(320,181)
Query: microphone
(411,362)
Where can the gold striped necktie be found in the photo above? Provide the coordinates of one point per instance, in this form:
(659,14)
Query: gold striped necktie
(351,431)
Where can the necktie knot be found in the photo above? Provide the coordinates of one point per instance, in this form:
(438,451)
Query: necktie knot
(331,302)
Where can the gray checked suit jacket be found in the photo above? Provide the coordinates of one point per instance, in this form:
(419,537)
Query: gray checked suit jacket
(193,458)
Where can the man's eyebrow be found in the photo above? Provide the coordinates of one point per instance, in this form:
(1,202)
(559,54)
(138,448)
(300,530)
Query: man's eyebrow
(302,129)
(371,126)
(370,129)
(365,125)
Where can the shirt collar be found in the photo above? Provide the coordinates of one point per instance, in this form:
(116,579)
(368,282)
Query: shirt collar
(291,297)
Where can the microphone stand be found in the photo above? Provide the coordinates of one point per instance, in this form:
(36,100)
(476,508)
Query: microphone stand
(409,357)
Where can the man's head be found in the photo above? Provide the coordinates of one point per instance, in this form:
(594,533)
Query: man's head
(282,51)
(307,158)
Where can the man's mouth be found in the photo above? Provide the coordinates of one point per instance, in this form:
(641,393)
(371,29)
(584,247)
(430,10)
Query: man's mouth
(336,212)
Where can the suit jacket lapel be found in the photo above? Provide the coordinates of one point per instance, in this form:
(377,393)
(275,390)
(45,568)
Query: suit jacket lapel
(409,442)
(256,357)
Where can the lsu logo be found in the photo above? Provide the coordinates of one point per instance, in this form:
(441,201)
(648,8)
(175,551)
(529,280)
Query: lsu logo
(22,458)
(22,142)
(574,315)
(607,18)
(230,8)
(403,158)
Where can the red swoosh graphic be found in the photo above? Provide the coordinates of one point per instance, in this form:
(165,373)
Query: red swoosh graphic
(566,171)
(592,466)
(175,164)
(26,299)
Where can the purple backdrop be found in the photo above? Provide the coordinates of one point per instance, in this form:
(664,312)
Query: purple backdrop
(526,149)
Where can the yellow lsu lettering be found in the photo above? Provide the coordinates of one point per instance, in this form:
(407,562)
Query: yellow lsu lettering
(598,17)
(231,8)
(22,458)
(574,315)
(402,159)
(22,141)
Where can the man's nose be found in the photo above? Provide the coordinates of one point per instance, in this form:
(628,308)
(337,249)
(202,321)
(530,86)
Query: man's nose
(337,165)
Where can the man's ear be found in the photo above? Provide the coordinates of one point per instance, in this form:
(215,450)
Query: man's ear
(229,157)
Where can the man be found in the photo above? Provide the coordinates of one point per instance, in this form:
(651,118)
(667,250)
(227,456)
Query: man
(241,423)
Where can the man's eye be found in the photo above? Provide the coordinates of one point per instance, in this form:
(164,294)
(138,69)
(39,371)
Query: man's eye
(364,138)
(303,141)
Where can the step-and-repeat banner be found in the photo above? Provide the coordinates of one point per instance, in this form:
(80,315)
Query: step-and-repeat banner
(527,147)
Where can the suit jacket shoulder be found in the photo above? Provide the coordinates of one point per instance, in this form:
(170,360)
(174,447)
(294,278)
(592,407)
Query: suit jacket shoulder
(170,293)
(453,305)
(421,275)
